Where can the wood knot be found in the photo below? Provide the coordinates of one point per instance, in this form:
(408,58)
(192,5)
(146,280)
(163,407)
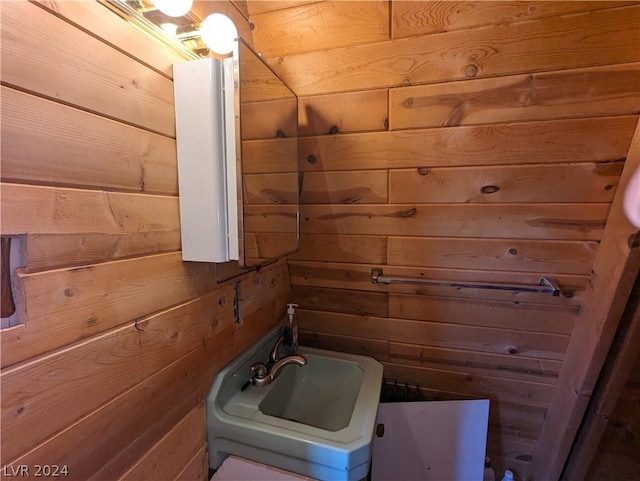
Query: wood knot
(634,240)
(512,350)
(423,170)
(490,189)
(92,321)
(513,251)
(222,301)
(141,325)
(280,134)
(608,187)
(68,292)
(334,130)
(408,213)
(406,82)
(471,70)
(312,159)
(252,26)
(408,102)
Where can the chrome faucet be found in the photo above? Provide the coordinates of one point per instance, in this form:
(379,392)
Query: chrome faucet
(262,375)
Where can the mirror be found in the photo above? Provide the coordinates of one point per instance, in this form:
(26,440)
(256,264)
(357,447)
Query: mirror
(265,158)
(267,161)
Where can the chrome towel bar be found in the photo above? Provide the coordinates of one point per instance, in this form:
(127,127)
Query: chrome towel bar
(547,285)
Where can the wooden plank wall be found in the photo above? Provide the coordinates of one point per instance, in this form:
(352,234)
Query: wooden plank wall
(118,339)
(617,456)
(609,437)
(462,141)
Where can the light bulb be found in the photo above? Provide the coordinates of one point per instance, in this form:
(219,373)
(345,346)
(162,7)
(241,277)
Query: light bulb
(173,8)
(219,33)
(170,28)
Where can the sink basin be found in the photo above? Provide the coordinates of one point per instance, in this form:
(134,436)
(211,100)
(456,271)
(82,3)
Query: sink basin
(322,394)
(316,420)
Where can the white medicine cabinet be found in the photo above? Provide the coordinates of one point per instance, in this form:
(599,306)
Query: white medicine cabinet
(236,129)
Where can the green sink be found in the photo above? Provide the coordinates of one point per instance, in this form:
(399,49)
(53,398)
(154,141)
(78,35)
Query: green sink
(316,420)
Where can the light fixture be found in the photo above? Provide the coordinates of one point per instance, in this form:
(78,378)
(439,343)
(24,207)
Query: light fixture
(219,33)
(174,8)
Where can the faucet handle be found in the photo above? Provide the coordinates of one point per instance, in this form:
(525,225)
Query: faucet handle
(258,370)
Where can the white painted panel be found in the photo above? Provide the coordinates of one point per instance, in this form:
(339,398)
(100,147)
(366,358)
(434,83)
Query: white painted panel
(431,441)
